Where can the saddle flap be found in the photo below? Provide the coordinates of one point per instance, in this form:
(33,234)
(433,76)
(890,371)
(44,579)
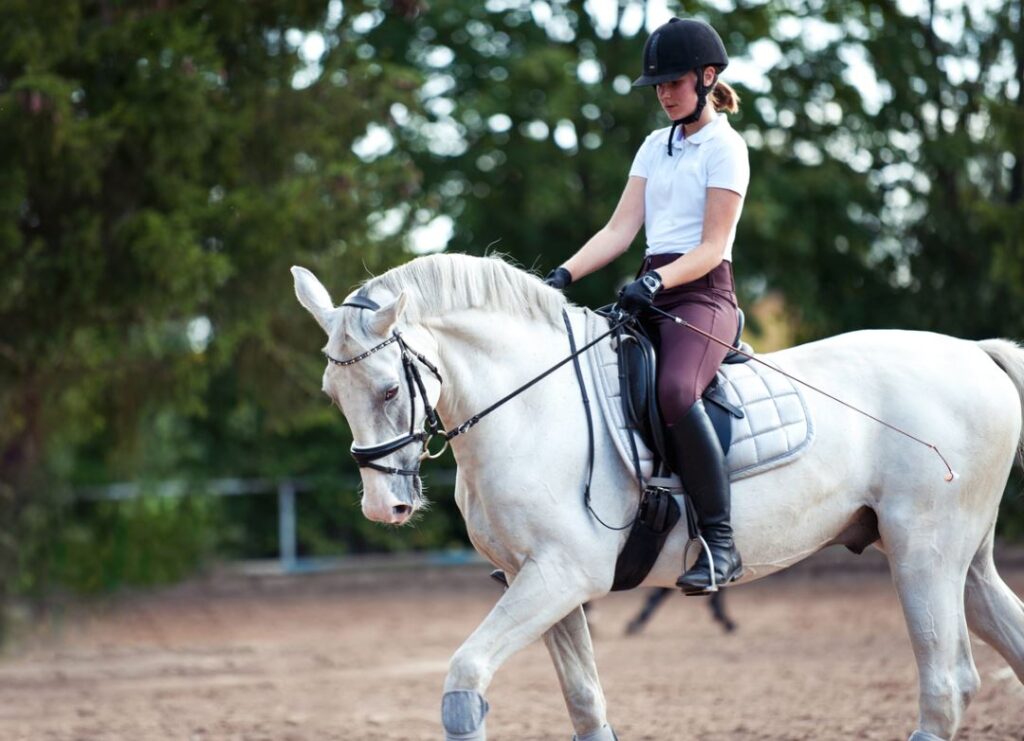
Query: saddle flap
(639,387)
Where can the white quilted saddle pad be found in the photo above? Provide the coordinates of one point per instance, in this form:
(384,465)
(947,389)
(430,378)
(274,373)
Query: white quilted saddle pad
(775,430)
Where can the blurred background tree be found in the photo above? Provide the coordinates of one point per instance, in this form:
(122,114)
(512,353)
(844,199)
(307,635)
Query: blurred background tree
(163,164)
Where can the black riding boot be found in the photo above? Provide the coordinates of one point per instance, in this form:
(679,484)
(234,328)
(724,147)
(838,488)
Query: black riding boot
(696,455)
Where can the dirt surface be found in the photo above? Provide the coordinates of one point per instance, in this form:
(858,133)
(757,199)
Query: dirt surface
(820,653)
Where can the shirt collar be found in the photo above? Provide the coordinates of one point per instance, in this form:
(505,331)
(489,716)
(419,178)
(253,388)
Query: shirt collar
(710,129)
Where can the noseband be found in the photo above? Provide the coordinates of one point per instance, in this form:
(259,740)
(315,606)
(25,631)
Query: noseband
(366,455)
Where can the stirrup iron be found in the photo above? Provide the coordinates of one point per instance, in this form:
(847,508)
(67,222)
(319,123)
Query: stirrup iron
(712,586)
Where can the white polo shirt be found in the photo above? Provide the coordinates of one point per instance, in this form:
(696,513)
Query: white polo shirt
(676,190)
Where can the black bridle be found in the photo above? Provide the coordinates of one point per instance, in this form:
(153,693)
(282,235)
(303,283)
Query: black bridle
(366,455)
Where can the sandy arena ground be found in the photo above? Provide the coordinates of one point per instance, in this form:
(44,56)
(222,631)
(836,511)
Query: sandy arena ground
(819,653)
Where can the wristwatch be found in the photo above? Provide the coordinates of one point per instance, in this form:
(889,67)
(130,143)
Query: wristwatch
(652,281)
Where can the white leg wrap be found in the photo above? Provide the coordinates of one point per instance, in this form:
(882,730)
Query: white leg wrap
(604,733)
(924,736)
(462,714)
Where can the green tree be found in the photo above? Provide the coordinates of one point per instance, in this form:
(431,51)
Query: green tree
(163,164)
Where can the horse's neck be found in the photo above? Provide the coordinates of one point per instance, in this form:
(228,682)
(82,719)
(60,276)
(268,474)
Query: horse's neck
(486,356)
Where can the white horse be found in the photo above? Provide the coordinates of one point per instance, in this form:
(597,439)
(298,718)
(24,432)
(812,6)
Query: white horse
(489,328)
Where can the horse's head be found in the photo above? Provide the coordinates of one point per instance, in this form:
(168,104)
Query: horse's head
(375,378)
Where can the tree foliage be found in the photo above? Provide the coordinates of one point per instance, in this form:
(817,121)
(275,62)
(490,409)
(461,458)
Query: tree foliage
(162,170)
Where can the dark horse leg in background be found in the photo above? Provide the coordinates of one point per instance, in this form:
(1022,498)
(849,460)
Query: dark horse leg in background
(657,596)
(718,610)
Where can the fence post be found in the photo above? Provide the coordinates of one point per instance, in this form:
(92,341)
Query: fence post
(286,524)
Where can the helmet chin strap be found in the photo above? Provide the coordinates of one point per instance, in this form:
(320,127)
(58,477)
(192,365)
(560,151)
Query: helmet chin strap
(702,99)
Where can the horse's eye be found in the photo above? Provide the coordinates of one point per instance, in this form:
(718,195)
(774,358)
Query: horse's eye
(391,393)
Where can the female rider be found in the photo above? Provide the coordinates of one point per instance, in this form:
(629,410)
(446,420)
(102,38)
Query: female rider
(686,186)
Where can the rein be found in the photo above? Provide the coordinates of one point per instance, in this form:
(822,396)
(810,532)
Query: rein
(365,456)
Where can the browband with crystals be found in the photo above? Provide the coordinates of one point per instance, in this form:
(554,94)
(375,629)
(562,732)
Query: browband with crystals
(361,301)
(368,353)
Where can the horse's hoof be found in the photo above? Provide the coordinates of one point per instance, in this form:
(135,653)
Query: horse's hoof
(924,736)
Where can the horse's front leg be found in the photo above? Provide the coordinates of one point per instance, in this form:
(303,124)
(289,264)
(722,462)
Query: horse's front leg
(541,595)
(572,653)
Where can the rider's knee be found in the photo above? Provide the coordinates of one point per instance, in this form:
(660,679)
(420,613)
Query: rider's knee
(675,401)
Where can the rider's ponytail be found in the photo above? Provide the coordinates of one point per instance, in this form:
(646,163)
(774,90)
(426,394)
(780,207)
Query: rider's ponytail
(724,98)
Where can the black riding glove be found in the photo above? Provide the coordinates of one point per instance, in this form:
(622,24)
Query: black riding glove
(559,278)
(638,295)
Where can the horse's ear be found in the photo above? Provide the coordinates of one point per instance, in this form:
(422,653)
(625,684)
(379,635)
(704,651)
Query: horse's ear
(385,317)
(312,295)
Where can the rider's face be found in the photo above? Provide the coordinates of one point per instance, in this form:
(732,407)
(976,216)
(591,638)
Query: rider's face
(679,98)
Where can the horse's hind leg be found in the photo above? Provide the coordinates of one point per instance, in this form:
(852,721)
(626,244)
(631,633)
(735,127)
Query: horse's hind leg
(654,600)
(994,613)
(930,581)
(568,642)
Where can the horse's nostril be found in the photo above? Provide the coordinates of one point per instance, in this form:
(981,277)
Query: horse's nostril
(401,509)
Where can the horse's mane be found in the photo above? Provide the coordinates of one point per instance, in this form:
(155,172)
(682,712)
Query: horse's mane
(436,284)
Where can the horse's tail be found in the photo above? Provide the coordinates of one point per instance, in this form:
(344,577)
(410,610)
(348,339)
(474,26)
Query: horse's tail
(1009,356)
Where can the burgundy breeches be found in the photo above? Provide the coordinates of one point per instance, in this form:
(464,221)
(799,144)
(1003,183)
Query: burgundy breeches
(687,362)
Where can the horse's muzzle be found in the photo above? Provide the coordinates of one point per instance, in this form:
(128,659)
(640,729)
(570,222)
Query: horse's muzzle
(388,508)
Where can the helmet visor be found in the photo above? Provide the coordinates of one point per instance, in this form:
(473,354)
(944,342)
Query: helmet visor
(646,80)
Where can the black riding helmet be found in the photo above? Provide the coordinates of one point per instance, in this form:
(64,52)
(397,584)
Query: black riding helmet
(674,49)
